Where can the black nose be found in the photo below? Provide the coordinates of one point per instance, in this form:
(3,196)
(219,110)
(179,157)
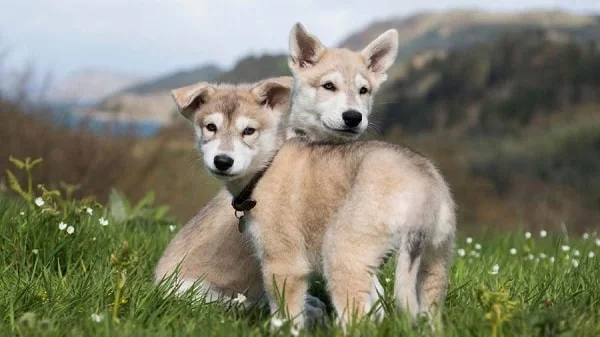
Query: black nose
(223,162)
(352,118)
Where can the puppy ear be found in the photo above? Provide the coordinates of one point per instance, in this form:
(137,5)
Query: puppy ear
(305,49)
(274,92)
(381,54)
(190,98)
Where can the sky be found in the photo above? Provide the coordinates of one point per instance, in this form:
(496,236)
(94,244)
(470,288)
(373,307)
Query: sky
(151,37)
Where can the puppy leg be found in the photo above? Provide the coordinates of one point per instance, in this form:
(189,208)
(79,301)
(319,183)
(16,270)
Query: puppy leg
(351,257)
(433,278)
(407,270)
(286,282)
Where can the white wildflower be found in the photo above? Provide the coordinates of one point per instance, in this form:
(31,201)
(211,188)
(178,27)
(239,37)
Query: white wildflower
(565,248)
(172,228)
(469,240)
(598,242)
(103,221)
(70,230)
(35,251)
(23,213)
(513,251)
(276,322)
(477,246)
(576,252)
(294,331)
(591,255)
(542,256)
(240,298)
(97,317)
(62,226)
(530,256)
(461,252)
(552,259)
(575,263)
(39,201)
(89,211)
(94,238)
(388,280)
(527,235)
(543,233)
(585,236)
(495,269)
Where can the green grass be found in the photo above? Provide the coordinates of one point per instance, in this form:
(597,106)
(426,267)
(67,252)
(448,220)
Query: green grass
(52,282)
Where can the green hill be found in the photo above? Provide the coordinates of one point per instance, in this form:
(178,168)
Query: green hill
(495,87)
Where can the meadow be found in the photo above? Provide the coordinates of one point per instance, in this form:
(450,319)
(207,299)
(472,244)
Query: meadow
(74,267)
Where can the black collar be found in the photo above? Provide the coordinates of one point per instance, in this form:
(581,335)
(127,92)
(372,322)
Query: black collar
(242,202)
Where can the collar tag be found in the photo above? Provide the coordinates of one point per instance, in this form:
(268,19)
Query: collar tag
(242,223)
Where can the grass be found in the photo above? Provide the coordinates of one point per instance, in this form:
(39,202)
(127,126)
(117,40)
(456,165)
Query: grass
(88,284)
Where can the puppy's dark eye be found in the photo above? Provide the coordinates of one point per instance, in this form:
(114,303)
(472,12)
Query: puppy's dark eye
(363,90)
(328,86)
(211,127)
(248,131)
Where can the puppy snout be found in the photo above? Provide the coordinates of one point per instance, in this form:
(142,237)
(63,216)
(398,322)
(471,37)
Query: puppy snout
(352,118)
(223,162)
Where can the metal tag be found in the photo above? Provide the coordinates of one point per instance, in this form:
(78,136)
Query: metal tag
(242,223)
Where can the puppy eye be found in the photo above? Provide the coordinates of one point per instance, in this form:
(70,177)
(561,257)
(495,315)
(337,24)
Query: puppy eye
(363,90)
(248,131)
(211,127)
(328,86)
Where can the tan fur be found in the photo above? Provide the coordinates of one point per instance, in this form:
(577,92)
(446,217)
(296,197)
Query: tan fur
(210,248)
(342,208)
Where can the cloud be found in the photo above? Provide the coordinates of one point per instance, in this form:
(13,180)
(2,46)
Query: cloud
(150,37)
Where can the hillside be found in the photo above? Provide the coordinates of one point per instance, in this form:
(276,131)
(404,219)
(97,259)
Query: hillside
(495,87)
(459,28)
(252,68)
(173,80)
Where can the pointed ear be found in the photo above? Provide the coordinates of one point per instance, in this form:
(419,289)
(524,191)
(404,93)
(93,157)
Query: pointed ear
(190,98)
(305,49)
(274,92)
(381,53)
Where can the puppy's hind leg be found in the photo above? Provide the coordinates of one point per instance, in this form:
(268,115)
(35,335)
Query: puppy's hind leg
(409,256)
(433,277)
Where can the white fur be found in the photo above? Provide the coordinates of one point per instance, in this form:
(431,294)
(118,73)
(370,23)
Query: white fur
(215,118)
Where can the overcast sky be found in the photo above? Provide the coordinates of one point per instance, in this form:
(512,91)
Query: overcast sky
(150,37)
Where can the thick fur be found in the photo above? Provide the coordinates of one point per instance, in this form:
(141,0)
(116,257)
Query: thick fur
(339,209)
(209,251)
